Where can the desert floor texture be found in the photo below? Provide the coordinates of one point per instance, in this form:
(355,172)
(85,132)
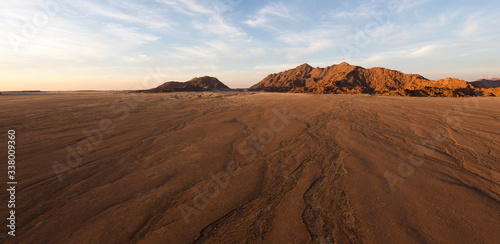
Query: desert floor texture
(241,167)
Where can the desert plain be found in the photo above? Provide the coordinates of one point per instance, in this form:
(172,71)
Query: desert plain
(253,167)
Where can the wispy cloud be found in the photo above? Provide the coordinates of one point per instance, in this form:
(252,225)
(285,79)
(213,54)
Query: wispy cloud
(364,10)
(425,50)
(128,11)
(218,26)
(479,25)
(404,5)
(188,7)
(218,52)
(136,59)
(268,13)
(308,43)
(129,35)
(207,17)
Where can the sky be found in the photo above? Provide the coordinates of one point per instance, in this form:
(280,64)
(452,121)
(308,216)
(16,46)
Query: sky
(139,44)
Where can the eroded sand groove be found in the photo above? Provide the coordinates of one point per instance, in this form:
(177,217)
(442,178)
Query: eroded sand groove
(321,179)
(327,215)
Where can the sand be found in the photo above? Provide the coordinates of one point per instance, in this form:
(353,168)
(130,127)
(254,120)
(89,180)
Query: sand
(240,167)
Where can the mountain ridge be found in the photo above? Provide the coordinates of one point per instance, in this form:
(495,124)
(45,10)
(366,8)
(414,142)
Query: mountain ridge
(344,78)
(486,83)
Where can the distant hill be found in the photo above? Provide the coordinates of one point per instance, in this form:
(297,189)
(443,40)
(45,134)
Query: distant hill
(348,79)
(486,83)
(205,83)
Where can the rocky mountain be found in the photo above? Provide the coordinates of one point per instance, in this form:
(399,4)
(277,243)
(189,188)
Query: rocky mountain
(486,83)
(205,83)
(348,79)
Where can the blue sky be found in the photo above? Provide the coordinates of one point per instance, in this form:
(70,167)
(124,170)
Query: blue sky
(69,45)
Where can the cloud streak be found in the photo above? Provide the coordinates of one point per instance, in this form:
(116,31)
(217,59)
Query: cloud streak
(268,13)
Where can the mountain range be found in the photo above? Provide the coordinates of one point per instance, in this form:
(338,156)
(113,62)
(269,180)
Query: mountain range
(348,79)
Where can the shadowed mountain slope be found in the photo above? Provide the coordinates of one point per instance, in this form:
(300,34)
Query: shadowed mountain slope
(486,83)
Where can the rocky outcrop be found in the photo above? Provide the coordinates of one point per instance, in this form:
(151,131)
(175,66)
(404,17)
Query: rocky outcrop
(348,79)
(205,83)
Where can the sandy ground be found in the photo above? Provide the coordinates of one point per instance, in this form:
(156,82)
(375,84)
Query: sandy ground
(253,168)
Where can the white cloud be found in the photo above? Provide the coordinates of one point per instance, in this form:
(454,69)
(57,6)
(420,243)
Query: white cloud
(373,59)
(187,7)
(216,25)
(217,52)
(69,41)
(127,11)
(471,27)
(478,25)
(308,43)
(425,50)
(128,35)
(194,54)
(66,34)
(136,58)
(364,10)
(207,17)
(268,13)
(403,5)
